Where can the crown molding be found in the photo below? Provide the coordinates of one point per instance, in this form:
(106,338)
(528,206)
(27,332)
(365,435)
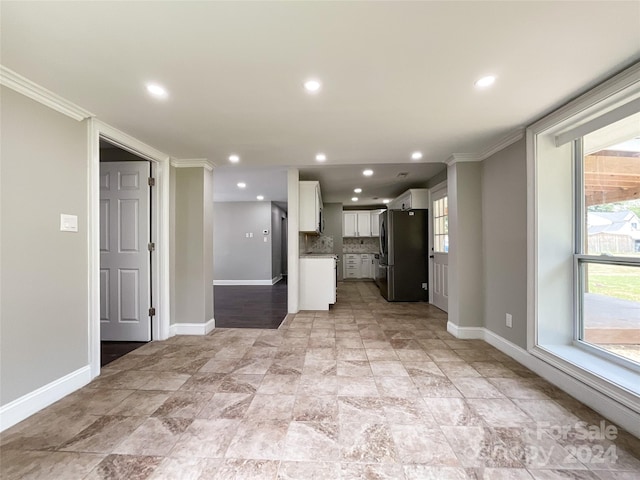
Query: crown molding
(193,162)
(478,157)
(26,87)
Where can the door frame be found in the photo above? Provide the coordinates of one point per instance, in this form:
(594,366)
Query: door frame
(159,233)
(435,189)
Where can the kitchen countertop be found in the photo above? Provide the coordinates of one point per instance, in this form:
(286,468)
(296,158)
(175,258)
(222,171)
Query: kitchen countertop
(318,255)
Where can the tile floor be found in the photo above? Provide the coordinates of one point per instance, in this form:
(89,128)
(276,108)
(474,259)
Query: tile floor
(370,390)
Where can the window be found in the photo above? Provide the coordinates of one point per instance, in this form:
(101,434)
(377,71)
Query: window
(441,225)
(583,301)
(607,262)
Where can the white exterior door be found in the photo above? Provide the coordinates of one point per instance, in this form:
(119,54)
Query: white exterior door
(439,249)
(125,293)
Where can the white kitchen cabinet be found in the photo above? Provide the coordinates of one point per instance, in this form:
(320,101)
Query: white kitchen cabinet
(349,224)
(356,224)
(366,264)
(317,282)
(364,224)
(375,222)
(310,218)
(352,265)
(414,198)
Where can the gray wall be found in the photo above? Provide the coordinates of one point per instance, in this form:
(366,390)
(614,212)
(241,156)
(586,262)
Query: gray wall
(437,178)
(465,250)
(277,237)
(43,301)
(192,229)
(237,257)
(504,239)
(333,228)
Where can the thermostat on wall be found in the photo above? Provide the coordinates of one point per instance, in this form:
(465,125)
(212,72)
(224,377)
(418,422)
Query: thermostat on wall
(68,223)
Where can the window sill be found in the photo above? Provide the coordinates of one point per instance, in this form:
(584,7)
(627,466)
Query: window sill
(614,380)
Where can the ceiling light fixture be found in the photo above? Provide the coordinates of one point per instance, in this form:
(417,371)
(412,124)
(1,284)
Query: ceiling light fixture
(260,197)
(234,158)
(354,199)
(367,172)
(357,190)
(386,200)
(321,157)
(416,155)
(157,91)
(242,185)
(312,86)
(485,82)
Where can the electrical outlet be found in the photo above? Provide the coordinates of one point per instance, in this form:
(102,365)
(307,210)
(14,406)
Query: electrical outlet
(509,320)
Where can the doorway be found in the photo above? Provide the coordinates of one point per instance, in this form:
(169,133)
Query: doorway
(125,251)
(440,248)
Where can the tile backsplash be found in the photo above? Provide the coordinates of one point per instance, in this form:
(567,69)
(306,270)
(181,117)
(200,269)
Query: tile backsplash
(360,245)
(319,244)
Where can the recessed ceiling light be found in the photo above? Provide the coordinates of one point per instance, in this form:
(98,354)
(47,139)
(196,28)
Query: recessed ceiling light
(367,173)
(234,158)
(260,197)
(312,86)
(354,199)
(416,155)
(321,157)
(386,200)
(485,82)
(157,91)
(242,185)
(357,190)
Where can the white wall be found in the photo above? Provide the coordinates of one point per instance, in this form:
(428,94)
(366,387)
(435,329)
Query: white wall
(44,296)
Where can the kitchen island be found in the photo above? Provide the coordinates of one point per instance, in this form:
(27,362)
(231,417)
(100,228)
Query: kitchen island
(318,281)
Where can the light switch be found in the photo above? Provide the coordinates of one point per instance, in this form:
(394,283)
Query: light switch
(68,223)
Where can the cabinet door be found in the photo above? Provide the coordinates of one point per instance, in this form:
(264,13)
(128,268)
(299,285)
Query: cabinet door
(364,224)
(349,224)
(375,223)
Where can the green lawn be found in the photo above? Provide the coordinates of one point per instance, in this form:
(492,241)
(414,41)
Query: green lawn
(614,281)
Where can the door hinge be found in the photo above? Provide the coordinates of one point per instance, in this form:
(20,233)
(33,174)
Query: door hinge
(152,182)
(151,247)
(152,312)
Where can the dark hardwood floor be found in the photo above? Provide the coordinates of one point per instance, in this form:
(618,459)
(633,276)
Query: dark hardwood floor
(110,351)
(249,306)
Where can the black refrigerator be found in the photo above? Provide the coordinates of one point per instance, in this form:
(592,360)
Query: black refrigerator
(402,272)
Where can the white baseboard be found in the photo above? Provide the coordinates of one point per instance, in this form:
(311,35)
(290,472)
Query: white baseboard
(466,333)
(192,328)
(601,403)
(276,279)
(25,406)
(243,282)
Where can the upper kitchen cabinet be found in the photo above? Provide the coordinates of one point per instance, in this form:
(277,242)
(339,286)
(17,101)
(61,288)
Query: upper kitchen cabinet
(375,222)
(356,224)
(415,198)
(310,205)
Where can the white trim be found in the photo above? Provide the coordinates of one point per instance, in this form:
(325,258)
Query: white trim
(193,162)
(244,282)
(20,84)
(160,232)
(466,333)
(611,406)
(192,328)
(513,137)
(276,279)
(25,406)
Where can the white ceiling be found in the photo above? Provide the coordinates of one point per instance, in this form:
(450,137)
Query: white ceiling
(397,76)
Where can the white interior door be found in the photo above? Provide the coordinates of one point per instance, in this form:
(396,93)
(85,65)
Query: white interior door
(440,249)
(124,256)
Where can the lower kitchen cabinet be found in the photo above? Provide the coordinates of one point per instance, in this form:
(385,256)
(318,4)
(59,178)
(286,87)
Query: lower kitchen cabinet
(358,265)
(317,282)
